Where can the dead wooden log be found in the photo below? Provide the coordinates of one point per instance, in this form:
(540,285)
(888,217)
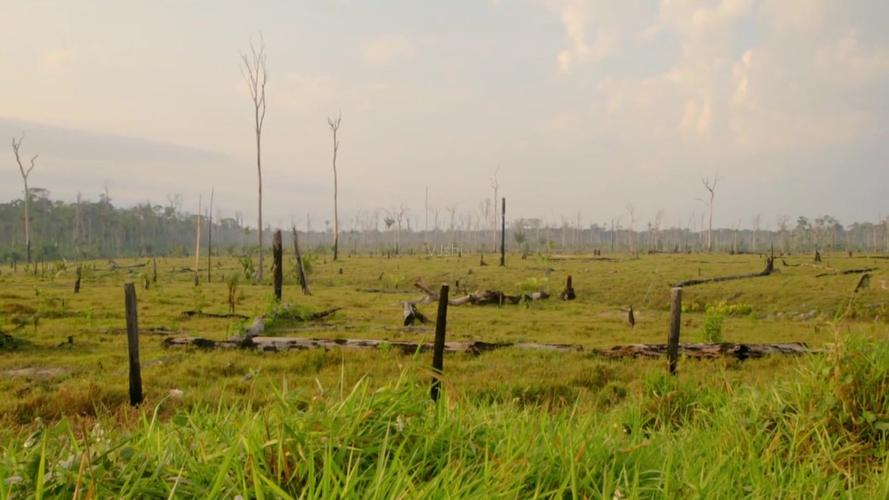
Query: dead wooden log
(739,351)
(863,282)
(112,265)
(298,343)
(568,292)
(769,269)
(411,314)
(482,297)
(847,271)
(202,314)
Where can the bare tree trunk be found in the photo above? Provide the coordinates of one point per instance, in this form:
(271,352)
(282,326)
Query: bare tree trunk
(197,244)
(334,127)
(16,149)
(210,237)
(255,74)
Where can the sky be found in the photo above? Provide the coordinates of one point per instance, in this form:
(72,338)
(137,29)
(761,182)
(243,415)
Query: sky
(580,107)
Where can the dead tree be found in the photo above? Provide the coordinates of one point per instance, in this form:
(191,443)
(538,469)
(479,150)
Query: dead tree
(26,172)
(210,237)
(334,128)
(254,71)
(197,243)
(710,185)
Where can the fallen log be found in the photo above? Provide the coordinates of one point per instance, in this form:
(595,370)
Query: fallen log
(482,297)
(863,282)
(288,343)
(700,351)
(739,351)
(112,265)
(847,271)
(769,269)
(202,314)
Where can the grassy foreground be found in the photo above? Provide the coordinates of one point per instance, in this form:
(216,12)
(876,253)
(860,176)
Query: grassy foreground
(513,424)
(824,435)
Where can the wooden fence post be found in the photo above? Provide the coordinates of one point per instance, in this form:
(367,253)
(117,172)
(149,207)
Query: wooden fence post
(503,233)
(675,322)
(438,348)
(154,269)
(300,269)
(277,270)
(78,273)
(133,344)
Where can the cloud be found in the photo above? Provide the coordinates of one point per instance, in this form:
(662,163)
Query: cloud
(386,49)
(574,17)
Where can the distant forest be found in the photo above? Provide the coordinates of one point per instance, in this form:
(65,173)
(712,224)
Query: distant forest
(87,229)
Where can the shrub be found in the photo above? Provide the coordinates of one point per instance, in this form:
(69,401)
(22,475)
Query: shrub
(712,328)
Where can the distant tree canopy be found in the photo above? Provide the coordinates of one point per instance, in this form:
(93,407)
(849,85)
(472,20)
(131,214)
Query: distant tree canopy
(87,229)
(92,229)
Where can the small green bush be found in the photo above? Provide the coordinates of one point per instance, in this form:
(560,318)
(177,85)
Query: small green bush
(712,327)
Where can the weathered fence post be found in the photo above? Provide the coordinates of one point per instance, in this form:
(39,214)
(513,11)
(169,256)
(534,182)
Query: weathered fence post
(503,233)
(675,319)
(300,269)
(438,348)
(78,273)
(154,269)
(133,344)
(277,270)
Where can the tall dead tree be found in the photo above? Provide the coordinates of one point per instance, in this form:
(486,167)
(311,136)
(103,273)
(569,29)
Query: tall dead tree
(495,185)
(334,129)
(256,76)
(710,185)
(210,237)
(26,172)
(197,243)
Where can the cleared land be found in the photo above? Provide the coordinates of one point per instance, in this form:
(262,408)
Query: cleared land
(521,422)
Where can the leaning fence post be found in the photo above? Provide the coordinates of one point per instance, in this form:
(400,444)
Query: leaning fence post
(277,271)
(438,348)
(133,344)
(675,321)
(503,233)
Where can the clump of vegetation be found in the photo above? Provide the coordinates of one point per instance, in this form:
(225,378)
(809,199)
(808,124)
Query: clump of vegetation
(247,266)
(283,314)
(712,327)
(722,307)
(232,281)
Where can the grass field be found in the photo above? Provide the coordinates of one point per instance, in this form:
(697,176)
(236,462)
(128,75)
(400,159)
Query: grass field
(514,423)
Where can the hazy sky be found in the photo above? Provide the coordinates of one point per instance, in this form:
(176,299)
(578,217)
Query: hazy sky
(584,105)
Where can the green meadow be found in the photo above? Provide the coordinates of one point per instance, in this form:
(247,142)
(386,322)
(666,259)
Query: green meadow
(513,423)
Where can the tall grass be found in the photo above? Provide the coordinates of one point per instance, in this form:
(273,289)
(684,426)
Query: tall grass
(824,434)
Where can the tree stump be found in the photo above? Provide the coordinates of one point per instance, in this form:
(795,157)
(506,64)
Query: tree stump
(568,292)
(411,314)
